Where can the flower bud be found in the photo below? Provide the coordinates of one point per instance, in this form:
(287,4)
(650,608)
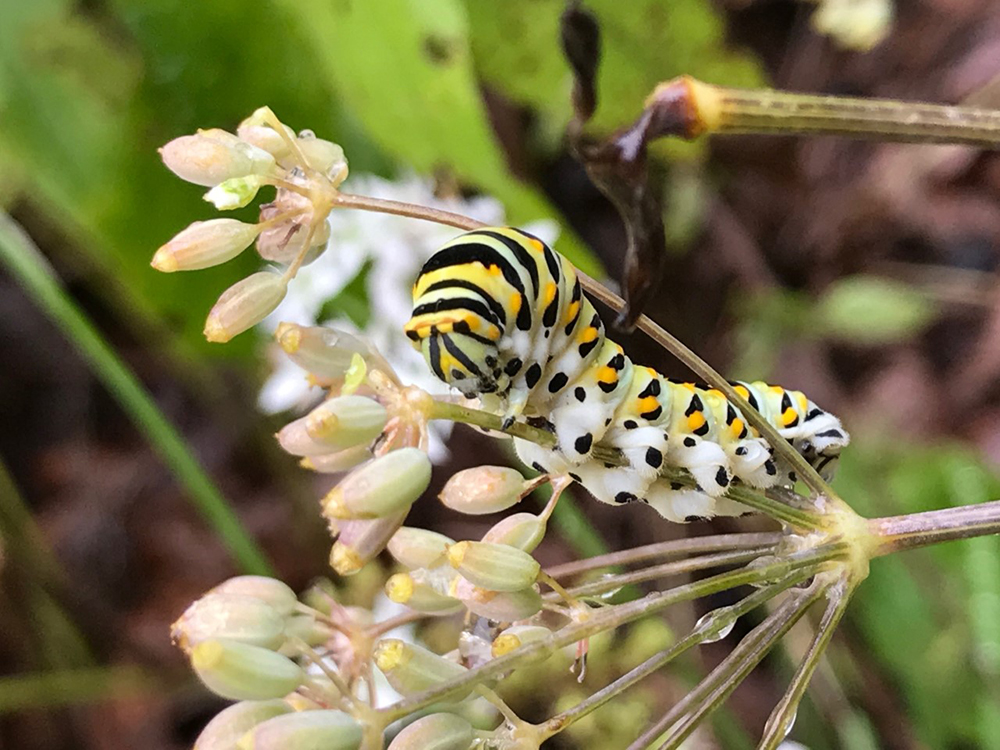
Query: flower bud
(204,244)
(495,567)
(483,489)
(323,156)
(231,616)
(305,730)
(282,243)
(411,669)
(269,590)
(524,531)
(236,192)
(324,352)
(385,486)
(346,421)
(244,305)
(516,636)
(360,541)
(435,732)
(213,156)
(256,131)
(502,606)
(419,548)
(303,628)
(419,594)
(239,671)
(223,731)
(335,463)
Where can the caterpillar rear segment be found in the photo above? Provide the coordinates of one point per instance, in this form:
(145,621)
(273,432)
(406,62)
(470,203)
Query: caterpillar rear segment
(501,316)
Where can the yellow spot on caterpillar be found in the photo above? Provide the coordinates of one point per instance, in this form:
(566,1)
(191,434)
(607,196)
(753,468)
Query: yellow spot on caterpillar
(737,427)
(652,372)
(607,375)
(689,386)
(588,334)
(493,333)
(571,312)
(536,245)
(696,421)
(515,303)
(445,327)
(647,404)
(803,401)
(777,389)
(550,292)
(472,321)
(446,361)
(742,391)
(494,270)
(788,416)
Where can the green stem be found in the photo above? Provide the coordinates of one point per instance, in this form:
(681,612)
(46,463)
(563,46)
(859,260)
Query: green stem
(26,263)
(787,113)
(71,687)
(779,723)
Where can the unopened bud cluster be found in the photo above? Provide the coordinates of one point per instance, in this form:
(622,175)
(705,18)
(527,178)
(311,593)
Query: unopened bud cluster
(306,172)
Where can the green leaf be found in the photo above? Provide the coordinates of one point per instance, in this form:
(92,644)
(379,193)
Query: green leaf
(405,69)
(871,310)
(517,49)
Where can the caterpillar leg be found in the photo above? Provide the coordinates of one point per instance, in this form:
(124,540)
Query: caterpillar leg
(686,505)
(615,486)
(751,461)
(646,448)
(706,461)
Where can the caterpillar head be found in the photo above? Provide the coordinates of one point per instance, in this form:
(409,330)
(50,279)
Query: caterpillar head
(458,357)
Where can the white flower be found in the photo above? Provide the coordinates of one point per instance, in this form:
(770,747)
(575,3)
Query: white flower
(396,247)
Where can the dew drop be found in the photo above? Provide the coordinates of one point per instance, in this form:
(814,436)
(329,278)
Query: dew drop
(715,625)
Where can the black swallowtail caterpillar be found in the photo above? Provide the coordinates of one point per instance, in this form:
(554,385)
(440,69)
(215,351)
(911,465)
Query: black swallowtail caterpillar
(500,315)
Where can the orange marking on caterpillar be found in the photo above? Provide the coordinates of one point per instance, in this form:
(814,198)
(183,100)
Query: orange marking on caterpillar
(607,375)
(550,292)
(647,404)
(696,421)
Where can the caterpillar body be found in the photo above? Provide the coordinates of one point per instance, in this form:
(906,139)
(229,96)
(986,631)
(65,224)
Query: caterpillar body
(501,316)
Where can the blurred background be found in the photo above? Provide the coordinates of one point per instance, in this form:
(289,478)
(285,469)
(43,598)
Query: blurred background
(865,275)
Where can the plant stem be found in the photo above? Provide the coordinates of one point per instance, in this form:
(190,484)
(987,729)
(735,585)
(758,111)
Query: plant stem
(617,615)
(676,567)
(779,723)
(712,691)
(714,543)
(411,210)
(688,108)
(28,266)
(898,533)
(654,663)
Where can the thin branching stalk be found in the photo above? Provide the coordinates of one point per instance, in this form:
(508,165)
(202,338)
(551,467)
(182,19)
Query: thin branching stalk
(615,616)
(673,548)
(723,618)
(780,722)
(716,687)
(677,567)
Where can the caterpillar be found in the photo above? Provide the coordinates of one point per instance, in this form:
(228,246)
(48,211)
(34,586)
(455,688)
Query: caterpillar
(501,316)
